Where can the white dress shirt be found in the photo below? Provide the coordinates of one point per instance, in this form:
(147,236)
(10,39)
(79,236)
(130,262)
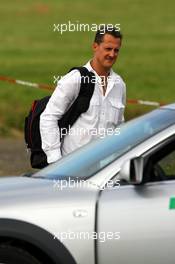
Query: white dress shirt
(105,112)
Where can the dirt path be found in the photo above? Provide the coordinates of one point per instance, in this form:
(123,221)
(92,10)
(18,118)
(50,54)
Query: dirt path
(14,159)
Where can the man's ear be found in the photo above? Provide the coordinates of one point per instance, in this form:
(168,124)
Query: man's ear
(94,46)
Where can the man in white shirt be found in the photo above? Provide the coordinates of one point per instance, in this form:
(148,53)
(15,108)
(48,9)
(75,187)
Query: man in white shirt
(107,104)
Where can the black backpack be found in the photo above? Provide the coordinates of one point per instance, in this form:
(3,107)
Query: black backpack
(38,158)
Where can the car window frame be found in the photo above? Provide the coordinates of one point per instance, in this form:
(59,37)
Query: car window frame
(147,156)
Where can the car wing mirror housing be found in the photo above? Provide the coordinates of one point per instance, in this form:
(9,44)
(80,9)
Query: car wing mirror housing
(132,170)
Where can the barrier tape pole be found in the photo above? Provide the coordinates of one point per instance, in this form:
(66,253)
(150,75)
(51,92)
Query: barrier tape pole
(49,87)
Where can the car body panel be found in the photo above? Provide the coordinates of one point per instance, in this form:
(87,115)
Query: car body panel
(145,221)
(38,202)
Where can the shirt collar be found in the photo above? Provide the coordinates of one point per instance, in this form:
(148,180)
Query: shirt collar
(111,81)
(89,67)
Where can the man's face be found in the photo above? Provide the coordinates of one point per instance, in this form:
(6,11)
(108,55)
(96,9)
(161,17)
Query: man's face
(107,51)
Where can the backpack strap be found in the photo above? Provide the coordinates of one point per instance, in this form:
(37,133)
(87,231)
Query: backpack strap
(81,103)
(87,82)
(83,70)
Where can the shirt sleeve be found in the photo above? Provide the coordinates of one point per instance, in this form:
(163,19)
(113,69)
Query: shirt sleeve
(66,92)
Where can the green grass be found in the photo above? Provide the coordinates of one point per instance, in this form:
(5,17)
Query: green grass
(30,50)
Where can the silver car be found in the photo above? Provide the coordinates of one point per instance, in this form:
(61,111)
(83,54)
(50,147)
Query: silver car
(111,201)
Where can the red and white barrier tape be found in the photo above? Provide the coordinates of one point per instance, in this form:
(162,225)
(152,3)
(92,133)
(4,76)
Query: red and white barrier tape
(142,102)
(36,85)
(49,87)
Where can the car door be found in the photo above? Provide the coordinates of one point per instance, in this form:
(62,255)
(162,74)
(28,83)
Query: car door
(143,214)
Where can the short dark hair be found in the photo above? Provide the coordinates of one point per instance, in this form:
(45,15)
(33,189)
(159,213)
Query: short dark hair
(103,30)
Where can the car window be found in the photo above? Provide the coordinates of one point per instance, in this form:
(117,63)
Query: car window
(167,164)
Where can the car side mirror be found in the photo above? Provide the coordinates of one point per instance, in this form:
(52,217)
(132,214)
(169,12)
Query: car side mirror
(132,170)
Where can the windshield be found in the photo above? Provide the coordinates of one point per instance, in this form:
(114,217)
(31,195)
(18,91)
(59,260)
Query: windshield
(91,158)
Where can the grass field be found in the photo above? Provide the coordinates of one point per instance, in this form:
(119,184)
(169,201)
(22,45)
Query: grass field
(30,49)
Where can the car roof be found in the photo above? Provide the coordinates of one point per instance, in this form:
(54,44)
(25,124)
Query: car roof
(170,106)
